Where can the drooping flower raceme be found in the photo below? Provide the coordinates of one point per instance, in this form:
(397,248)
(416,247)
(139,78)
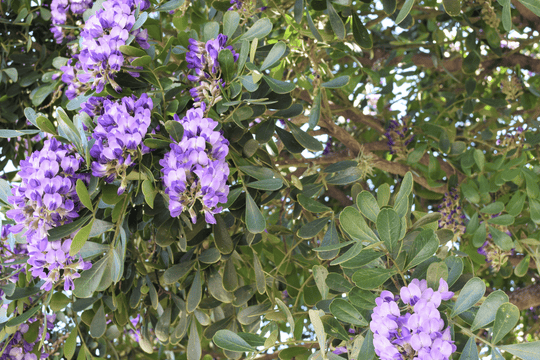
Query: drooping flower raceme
(17,348)
(418,335)
(195,168)
(45,199)
(452,214)
(203,58)
(104,32)
(398,137)
(119,133)
(60,12)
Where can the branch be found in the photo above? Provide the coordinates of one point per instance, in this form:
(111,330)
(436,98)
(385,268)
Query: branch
(526,297)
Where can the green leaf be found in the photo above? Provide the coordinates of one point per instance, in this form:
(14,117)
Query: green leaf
(330,238)
(226,63)
(354,224)
(452,7)
(435,272)
(175,130)
(12,73)
(195,293)
(312,205)
(90,279)
(505,320)
(312,27)
(171,5)
(260,278)
(367,350)
(163,325)
(259,30)
(523,266)
(82,193)
(337,83)
(194,350)
(80,239)
(493,208)
(471,293)
(315,113)
(488,309)
(149,192)
(230,276)
(389,229)
(17,320)
(424,246)
(479,236)
(131,51)
(278,86)
(361,34)
(479,157)
(287,312)
(306,140)
(274,55)
(267,184)
(41,93)
(349,254)
(177,271)
(315,318)
(255,221)
(71,344)
(362,299)
(503,220)
(506,15)
(319,274)
(231,20)
(455,269)
(335,21)
(405,10)
(210,31)
(533,5)
(99,323)
(470,193)
(501,239)
(228,340)
(67,229)
(311,229)
(470,351)
(59,301)
(222,237)
(406,188)
(525,351)
(143,60)
(347,313)
(7,134)
(372,278)
(534,207)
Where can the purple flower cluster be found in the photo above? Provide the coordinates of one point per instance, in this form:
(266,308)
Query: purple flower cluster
(515,137)
(119,132)
(397,136)
(60,11)
(203,58)
(104,32)
(195,168)
(418,335)
(452,214)
(46,198)
(19,349)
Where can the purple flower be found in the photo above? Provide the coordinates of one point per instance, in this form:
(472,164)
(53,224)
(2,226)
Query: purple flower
(196,169)
(203,58)
(100,58)
(119,132)
(418,334)
(46,198)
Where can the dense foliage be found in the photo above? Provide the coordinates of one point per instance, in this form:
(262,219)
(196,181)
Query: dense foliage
(298,179)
